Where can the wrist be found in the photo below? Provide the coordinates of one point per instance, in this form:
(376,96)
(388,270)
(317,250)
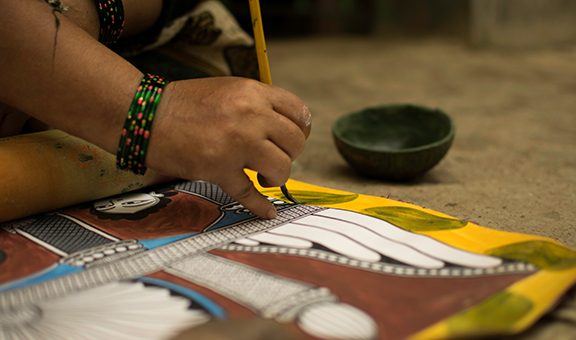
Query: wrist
(137,128)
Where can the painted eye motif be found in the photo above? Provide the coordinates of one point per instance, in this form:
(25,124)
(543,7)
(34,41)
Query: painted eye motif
(104,205)
(137,203)
(128,204)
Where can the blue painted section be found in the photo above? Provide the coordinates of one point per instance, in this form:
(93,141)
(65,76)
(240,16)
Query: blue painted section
(214,309)
(50,274)
(231,218)
(158,242)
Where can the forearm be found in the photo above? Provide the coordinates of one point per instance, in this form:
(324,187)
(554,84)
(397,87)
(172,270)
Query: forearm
(139,14)
(62,75)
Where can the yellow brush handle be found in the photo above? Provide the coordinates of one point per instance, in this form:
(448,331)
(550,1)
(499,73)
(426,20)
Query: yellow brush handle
(261,52)
(263,64)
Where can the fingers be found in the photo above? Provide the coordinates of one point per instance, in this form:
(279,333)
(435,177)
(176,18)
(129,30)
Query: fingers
(242,190)
(272,164)
(235,124)
(286,135)
(272,160)
(307,121)
(292,107)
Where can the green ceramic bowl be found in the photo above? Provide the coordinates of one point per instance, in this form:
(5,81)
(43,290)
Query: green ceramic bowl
(394,142)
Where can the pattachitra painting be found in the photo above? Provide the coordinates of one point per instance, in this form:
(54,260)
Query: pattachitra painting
(342,265)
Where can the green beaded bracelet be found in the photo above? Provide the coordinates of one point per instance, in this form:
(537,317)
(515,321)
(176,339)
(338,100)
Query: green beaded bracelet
(111,17)
(135,136)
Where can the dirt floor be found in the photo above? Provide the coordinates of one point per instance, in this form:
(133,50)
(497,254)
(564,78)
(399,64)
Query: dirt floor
(513,162)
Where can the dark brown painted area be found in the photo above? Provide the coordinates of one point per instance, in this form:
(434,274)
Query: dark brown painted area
(232,308)
(22,257)
(401,306)
(184,214)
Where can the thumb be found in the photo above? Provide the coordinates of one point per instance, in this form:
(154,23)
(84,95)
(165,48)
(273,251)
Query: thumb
(241,188)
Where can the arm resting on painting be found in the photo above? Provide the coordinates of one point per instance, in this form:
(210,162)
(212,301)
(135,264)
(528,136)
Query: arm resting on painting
(209,129)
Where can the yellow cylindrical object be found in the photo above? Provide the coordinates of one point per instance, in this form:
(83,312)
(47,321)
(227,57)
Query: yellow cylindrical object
(261,51)
(49,170)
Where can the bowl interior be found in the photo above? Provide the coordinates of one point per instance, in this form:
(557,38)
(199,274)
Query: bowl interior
(395,128)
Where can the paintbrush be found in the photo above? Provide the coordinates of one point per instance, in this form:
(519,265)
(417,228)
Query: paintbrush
(263,64)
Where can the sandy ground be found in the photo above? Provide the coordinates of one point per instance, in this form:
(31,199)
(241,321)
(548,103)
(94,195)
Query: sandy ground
(513,162)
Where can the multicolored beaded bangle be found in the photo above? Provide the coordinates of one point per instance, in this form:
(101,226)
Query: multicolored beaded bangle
(135,136)
(111,16)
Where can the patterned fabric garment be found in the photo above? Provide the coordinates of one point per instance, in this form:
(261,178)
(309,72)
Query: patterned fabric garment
(193,40)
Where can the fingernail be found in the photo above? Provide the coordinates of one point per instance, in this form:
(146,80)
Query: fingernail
(306,116)
(271,214)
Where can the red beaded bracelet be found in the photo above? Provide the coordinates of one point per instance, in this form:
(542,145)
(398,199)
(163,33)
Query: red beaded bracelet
(135,136)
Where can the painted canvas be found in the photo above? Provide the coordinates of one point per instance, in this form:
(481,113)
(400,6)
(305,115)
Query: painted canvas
(339,266)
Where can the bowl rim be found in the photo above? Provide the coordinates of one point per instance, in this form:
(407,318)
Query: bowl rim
(447,138)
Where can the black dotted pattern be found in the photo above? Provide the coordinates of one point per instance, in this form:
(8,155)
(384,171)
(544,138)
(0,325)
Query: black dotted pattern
(145,262)
(207,190)
(64,234)
(388,268)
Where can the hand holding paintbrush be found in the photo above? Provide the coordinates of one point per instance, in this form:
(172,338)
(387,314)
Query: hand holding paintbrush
(264,67)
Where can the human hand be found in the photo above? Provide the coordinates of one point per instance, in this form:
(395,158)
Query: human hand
(212,129)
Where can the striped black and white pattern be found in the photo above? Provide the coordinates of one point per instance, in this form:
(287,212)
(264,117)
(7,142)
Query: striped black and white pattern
(62,234)
(206,190)
(145,262)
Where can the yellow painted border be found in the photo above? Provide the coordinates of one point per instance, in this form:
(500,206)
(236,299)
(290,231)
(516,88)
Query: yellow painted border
(543,288)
